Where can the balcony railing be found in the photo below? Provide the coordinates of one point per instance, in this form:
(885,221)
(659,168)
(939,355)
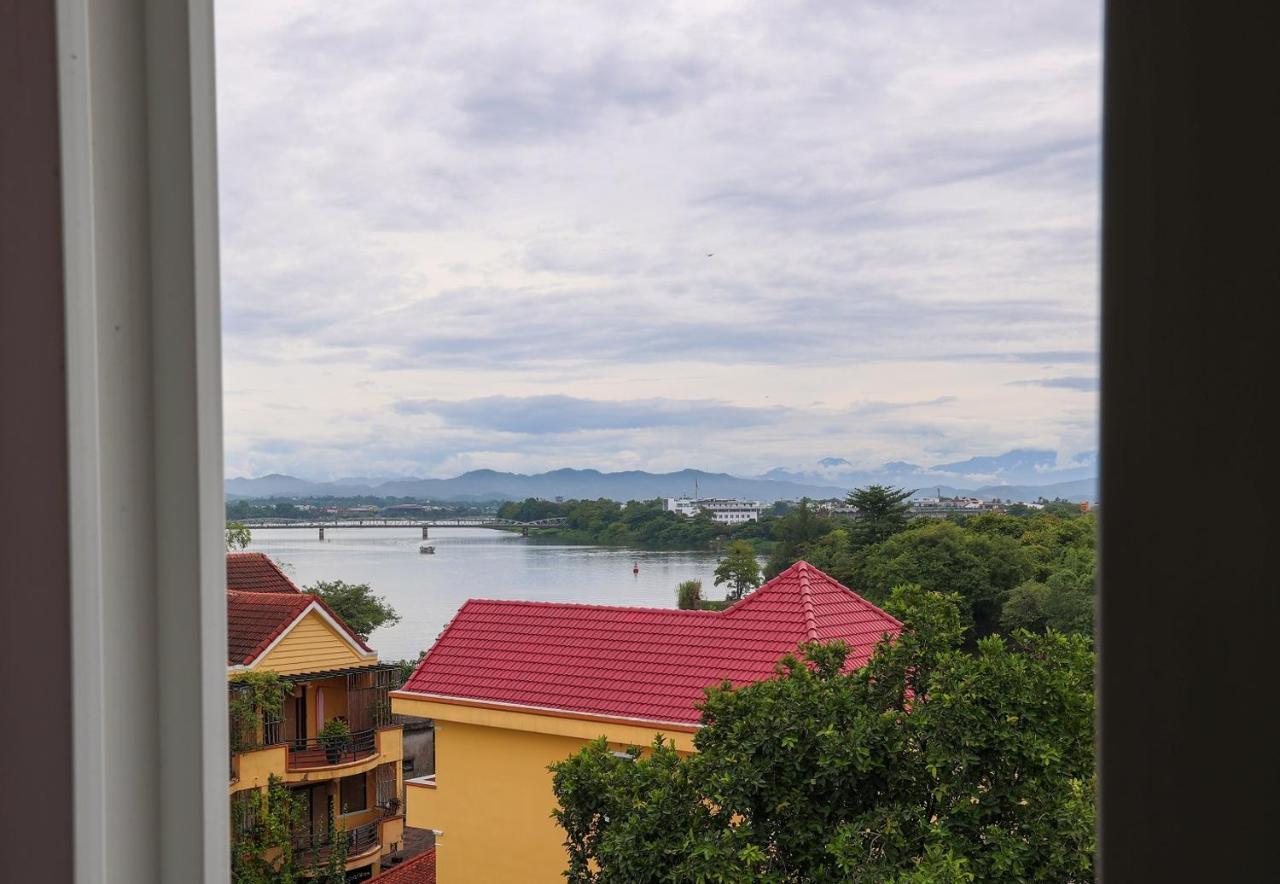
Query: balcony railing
(315,844)
(320,752)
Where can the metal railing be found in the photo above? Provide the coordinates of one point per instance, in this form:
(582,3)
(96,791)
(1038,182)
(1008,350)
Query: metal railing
(326,752)
(320,841)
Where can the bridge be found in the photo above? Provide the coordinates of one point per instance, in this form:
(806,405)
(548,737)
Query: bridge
(424,524)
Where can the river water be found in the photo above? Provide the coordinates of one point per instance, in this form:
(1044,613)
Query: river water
(426,590)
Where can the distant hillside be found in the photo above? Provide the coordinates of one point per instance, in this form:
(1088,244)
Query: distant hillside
(1021,468)
(831,477)
(479,485)
(277,485)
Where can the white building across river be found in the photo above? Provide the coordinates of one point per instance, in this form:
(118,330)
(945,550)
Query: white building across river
(722,509)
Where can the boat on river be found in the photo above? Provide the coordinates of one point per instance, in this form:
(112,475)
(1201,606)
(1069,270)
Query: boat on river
(427,550)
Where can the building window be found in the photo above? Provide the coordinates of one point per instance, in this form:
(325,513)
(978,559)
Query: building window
(354,794)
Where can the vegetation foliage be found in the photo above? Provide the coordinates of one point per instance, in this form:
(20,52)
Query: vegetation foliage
(689,595)
(253,698)
(644,524)
(930,764)
(264,826)
(1026,568)
(356,604)
(739,570)
(238,536)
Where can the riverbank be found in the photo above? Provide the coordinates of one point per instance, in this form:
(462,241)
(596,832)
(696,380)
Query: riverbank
(617,540)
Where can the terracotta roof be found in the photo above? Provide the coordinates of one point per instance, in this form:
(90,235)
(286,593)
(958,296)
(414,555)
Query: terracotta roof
(256,572)
(649,664)
(255,619)
(419,870)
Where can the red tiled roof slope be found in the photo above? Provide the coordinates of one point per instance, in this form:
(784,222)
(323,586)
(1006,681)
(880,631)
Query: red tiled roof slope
(255,619)
(641,663)
(256,572)
(419,870)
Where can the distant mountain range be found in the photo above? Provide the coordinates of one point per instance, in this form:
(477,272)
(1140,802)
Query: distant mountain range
(1016,475)
(478,485)
(1022,466)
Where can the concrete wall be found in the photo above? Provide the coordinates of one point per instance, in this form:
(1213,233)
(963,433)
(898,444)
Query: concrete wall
(420,745)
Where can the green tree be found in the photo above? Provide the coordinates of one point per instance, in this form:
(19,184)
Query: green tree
(794,532)
(405,668)
(356,604)
(945,557)
(929,764)
(882,513)
(1063,601)
(238,536)
(689,595)
(739,569)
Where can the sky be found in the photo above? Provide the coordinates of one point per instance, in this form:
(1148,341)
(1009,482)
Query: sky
(725,235)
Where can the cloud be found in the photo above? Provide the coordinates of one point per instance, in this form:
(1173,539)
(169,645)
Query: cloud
(500,214)
(541,415)
(1083,384)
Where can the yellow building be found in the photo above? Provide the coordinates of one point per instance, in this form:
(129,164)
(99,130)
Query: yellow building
(514,686)
(350,784)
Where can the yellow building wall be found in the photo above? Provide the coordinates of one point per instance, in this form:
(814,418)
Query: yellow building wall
(493,802)
(255,768)
(493,797)
(312,645)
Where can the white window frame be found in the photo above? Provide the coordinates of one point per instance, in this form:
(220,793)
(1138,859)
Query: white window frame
(139,193)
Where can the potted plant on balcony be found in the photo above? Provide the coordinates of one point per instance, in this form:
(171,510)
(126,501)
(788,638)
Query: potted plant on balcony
(335,737)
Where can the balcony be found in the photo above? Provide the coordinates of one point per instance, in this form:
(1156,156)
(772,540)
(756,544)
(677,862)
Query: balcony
(317,752)
(313,845)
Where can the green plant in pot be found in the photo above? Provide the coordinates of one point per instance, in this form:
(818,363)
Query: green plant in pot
(335,737)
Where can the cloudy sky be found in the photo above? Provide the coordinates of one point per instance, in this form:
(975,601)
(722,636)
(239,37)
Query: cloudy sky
(726,235)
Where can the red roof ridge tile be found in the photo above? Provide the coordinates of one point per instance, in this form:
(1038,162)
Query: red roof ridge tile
(806,600)
(588,605)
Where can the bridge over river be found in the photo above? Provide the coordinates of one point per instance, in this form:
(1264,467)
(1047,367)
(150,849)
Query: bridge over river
(424,524)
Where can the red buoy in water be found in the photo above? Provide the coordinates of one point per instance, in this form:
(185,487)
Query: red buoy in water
(635,569)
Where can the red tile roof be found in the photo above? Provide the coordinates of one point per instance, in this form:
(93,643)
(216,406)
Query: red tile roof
(256,618)
(419,870)
(649,664)
(256,572)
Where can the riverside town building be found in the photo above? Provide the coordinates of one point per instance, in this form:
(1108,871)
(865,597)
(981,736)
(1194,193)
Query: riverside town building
(514,686)
(352,789)
(722,509)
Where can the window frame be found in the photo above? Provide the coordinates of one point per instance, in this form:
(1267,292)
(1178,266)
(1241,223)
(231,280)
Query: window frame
(1186,90)
(143,392)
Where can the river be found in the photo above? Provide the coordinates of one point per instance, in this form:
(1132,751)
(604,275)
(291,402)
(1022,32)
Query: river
(426,590)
